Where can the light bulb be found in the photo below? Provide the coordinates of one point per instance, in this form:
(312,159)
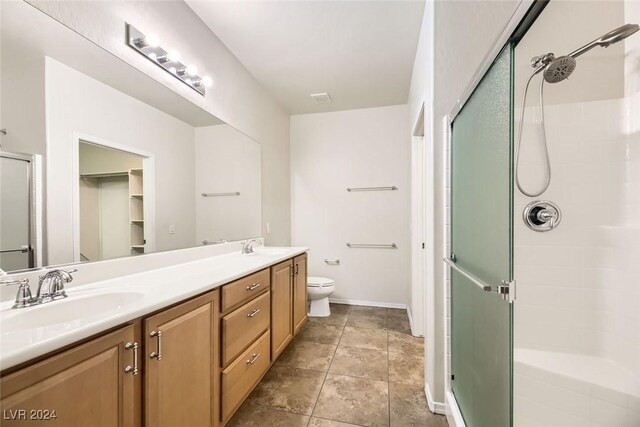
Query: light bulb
(153,56)
(206,81)
(188,81)
(151,40)
(192,70)
(173,70)
(173,56)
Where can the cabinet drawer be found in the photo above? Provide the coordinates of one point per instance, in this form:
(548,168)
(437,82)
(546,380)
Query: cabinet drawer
(241,327)
(243,374)
(244,289)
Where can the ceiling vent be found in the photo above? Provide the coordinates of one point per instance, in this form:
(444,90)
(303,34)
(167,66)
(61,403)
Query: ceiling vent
(321,98)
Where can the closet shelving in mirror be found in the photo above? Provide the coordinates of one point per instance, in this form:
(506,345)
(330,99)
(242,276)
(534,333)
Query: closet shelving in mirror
(136,210)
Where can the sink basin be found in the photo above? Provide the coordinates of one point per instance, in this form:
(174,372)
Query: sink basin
(71,309)
(269,251)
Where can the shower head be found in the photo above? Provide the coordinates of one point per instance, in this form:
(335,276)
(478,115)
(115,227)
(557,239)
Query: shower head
(608,39)
(558,69)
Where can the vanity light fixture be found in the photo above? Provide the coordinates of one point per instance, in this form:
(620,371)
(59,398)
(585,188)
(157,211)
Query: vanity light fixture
(169,60)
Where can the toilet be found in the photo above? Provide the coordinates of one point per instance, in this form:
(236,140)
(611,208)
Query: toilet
(318,291)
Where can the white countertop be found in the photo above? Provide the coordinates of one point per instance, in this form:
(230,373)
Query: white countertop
(27,333)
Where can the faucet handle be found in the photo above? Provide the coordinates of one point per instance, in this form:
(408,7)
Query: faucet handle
(66,275)
(13,282)
(23,297)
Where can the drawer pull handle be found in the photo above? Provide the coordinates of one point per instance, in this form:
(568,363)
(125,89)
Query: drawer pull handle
(253,359)
(254,312)
(133,370)
(254,286)
(158,353)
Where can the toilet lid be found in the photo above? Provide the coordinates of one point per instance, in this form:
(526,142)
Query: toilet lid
(321,282)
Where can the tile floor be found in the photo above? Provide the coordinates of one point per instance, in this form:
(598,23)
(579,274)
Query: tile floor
(358,367)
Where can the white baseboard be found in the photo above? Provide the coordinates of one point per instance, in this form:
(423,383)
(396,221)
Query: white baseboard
(435,407)
(413,330)
(367,303)
(454,416)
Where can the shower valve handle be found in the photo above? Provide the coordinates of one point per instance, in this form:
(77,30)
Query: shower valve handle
(546,215)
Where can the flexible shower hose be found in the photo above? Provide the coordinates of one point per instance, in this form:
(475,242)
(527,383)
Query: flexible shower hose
(544,142)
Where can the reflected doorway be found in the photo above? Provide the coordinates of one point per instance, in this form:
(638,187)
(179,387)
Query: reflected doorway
(111,202)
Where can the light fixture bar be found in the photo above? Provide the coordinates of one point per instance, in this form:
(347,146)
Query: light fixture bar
(149,47)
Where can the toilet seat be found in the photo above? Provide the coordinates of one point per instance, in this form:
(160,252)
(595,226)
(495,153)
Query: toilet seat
(319,282)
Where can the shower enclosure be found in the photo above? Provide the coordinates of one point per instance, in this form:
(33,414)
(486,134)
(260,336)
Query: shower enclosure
(565,349)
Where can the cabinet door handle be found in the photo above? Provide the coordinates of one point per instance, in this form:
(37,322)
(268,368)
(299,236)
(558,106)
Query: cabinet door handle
(254,286)
(254,312)
(253,359)
(293,271)
(158,353)
(297,269)
(133,370)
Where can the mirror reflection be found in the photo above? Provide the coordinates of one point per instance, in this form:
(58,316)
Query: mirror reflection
(99,161)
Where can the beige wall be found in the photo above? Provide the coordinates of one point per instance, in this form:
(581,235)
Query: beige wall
(367,147)
(96,159)
(226,161)
(236,97)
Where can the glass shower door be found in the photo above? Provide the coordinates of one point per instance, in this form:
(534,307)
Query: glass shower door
(15,213)
(481,246)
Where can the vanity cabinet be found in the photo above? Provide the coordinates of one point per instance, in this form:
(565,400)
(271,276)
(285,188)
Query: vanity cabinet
(181,364)
(299,292)
(193,363)
(281,307)
(90,384)
(246,332)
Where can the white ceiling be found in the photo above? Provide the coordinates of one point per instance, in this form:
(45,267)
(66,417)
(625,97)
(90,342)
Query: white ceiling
(361,52)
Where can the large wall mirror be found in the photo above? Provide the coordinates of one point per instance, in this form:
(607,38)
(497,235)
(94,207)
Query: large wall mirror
(99,161)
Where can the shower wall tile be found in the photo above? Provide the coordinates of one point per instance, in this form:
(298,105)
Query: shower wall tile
(578,284)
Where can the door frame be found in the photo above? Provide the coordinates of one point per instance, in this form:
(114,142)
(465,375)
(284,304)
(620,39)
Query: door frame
(148,183)
(35,204)
(419,201)
(524,15)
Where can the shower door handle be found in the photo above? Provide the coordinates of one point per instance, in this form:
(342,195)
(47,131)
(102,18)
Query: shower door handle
(506,289)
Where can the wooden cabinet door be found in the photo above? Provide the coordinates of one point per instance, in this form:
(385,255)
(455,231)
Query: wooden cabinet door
(86,385)
(299,292)
(182,364)
(281,300)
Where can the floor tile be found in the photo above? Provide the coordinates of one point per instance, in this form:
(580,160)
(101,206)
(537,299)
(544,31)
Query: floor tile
(291,390)
(360,362)
(399,324)
(408,406)
(401,342)
(252,415)
(335,319)
(357,310)
(307,355)
(354,400)
(406,368)
(367,322)
(375,339)
(321,422)
(339,308)
(322,334)
(397,313)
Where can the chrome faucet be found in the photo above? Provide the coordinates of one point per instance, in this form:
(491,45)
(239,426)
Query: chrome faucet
(50,288)
(247,245)
(51,285)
